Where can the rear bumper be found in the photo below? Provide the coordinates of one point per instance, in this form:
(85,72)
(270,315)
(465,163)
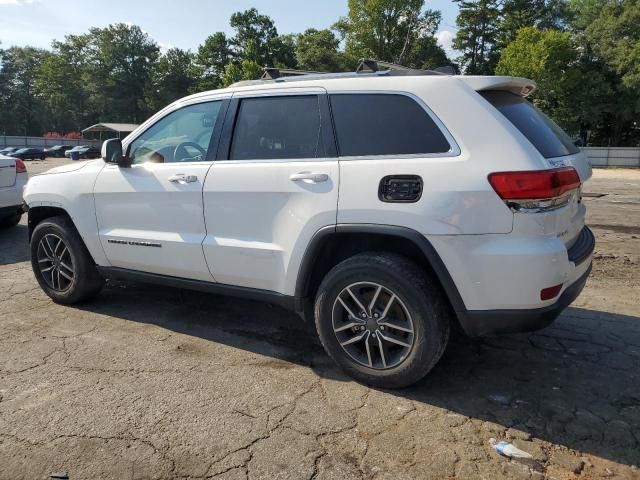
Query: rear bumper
(491,322)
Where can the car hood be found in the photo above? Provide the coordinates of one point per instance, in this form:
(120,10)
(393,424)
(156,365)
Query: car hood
(72,167)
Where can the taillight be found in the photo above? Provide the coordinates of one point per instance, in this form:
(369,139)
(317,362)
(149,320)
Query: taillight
(20,166)
(536,190)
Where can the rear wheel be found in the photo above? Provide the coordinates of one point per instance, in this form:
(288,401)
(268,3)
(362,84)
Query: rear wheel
(382,319)
(62,264)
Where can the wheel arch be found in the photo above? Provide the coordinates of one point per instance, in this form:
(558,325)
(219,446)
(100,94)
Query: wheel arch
(333,244)
(39,213)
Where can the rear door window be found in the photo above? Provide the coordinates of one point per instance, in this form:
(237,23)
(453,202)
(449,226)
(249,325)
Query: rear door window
(370,124)
(548,138)
(287,127)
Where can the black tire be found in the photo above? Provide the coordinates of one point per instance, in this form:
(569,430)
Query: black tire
(43,157)
(419,295)
(9,222)
(86,281)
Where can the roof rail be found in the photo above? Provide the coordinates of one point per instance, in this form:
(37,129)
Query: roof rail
(271,73)
(374,66)
(368,65)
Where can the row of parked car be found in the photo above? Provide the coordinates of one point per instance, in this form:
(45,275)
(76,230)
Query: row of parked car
(35,153)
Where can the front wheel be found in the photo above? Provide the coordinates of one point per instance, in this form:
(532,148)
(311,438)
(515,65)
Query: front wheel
(62,264)
(382,319)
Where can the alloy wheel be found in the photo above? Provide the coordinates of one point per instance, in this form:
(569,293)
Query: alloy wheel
(55,262)
(373,325)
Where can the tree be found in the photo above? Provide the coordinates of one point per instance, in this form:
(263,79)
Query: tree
(246,70)
(61,81)
(254,37)
(22,110)
(256,43)
(615,37)
(211,61)
(122,58)
(570,90)
(477,34)
(318,50)
(542,14)
(172,77)
(389,30)
(582,13)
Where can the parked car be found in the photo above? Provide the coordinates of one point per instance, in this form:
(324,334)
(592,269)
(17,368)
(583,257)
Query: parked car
(84,151)
(29,153)
(57,150)
(13,178)
(456,202)
(8,150)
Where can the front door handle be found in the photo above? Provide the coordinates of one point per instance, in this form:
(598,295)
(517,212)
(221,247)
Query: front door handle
(309,177)
(183,179)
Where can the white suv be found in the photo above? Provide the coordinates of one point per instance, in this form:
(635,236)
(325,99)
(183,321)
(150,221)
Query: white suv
(13,178)
(386,205)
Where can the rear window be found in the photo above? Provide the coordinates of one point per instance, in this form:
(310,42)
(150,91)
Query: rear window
(278,128)
(548,138)
(384,124)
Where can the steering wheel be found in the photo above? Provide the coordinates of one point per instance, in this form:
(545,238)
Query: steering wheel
(182,153)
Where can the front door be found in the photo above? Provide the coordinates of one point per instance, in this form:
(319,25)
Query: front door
(150,216)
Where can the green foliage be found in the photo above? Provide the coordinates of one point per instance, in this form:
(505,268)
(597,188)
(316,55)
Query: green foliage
(397,31)
(615,37)
(211,60)
(171,77)
(550,58)
(245,70)
(478,30)
(584,55)
(319,50)
(22,110)
(543,14)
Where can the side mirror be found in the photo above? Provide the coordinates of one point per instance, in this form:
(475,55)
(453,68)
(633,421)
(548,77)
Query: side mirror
(112,152)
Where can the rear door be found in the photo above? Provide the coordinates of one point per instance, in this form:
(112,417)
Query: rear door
(274,185)
(150,216)
(400,166)
(7,172)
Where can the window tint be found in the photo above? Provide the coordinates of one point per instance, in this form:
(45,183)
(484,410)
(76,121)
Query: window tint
(548,138)
(181,136)
(278,128)
(384,124)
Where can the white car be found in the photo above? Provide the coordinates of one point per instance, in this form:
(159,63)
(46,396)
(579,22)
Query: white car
(13,178)
(384,205)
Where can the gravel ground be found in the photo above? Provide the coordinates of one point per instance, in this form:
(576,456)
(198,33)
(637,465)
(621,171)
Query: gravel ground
(152,382)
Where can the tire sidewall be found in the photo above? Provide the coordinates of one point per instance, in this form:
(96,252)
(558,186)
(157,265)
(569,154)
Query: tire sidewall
(426,349)
(76,251)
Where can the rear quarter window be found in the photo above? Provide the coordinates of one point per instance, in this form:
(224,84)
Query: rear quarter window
(384,124)
(545,135)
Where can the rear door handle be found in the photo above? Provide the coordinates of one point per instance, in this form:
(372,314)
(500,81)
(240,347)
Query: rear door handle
(183,179)
(309,177)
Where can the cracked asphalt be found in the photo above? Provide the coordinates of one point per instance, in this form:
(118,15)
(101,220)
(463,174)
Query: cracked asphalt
(149,382)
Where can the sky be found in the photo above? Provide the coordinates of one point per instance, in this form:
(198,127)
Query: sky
(173,23)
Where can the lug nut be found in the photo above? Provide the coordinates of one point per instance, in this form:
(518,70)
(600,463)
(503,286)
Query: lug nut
(381,327)
(376,315)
